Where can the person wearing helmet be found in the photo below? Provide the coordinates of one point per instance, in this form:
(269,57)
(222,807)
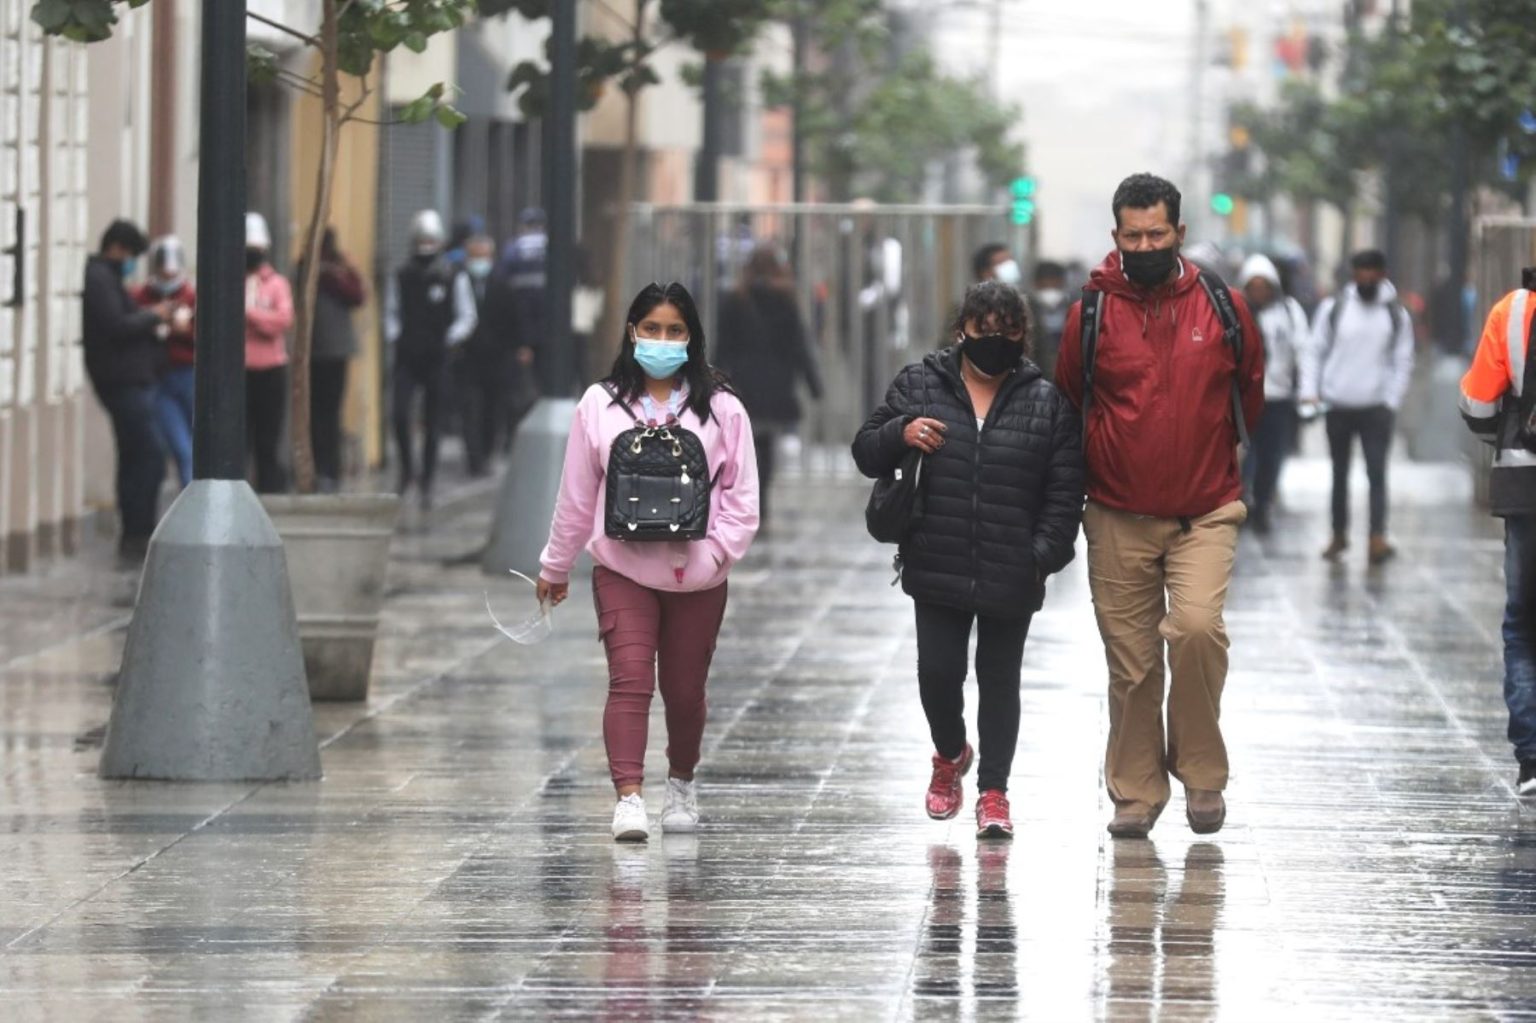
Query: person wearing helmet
(429,308)
(169,288)
(268,318)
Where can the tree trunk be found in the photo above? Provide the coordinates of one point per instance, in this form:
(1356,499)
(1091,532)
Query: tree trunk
(605,347)
(314,232)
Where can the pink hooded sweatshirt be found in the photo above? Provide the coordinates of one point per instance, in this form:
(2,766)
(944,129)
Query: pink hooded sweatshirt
(672,567)
(268,316)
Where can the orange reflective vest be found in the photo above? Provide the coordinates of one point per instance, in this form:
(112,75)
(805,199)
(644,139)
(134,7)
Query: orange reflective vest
(1490,394)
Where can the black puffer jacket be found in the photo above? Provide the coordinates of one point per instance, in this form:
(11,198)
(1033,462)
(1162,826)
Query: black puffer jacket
(1002,506)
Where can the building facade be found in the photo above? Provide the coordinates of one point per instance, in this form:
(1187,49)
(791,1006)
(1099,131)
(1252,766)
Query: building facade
(43,242)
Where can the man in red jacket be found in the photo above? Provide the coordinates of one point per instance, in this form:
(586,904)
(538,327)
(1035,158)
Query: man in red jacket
(1165,504)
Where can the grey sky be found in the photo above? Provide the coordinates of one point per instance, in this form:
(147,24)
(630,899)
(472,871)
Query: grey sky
(1105,86)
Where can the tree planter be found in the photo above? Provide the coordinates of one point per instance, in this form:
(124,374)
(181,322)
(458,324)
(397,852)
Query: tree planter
(337,546)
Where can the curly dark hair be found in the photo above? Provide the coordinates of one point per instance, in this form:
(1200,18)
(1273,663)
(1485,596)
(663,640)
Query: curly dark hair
(1144,191)
(993,302)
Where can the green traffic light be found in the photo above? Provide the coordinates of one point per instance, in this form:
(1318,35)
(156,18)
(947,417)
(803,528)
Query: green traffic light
(1223,204)
(1023,187)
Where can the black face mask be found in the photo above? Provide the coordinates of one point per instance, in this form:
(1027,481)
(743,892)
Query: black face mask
(253,259)
(1369,291)
(1149,269)
(992,355)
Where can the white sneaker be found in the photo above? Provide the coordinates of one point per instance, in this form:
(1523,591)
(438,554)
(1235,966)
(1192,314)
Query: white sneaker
(681,813)
(629,820)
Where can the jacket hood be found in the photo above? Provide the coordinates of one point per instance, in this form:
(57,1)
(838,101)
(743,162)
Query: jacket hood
(946,361)
(1387,294)
(1109,277)
(1261,267)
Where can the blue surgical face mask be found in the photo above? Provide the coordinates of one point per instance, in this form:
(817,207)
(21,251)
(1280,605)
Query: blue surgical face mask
(661,360)
(478,267)
(130,266)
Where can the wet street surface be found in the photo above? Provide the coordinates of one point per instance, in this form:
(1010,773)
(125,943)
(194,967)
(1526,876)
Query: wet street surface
(455,862)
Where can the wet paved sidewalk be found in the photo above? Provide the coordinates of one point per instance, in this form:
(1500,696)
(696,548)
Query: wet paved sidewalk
(455,864)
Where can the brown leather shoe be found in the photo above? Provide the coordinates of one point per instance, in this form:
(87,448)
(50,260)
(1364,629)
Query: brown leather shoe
(1336,549)
(1205,810)
(1381,551)
(1134,820)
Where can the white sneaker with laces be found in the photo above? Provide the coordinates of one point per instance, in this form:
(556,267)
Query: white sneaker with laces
(681,812)
(629,821)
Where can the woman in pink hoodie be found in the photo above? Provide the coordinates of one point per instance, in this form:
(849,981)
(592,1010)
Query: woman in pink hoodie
(268,318)
(659,604)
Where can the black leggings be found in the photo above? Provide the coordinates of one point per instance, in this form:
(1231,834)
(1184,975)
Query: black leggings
(430,379)
(266,412)
(943,649)
(327,389)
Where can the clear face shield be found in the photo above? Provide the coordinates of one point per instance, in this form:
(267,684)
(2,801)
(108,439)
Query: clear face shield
(527,625)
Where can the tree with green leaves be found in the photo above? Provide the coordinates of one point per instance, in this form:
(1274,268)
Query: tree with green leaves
(349,40)
(876,123)
(1455,81)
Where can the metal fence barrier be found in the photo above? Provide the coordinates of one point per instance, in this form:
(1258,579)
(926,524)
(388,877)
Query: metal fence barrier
(876,285)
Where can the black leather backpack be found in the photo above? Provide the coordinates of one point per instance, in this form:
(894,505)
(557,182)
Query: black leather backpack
(658,483)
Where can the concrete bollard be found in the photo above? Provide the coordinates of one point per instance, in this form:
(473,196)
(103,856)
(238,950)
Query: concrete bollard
(212,684)
(529,488)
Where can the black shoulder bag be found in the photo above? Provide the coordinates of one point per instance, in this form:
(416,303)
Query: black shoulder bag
(895,504)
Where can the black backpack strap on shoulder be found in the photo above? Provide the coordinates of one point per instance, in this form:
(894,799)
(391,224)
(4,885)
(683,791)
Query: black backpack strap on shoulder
(1090,320)
(620,402)
(1232,334)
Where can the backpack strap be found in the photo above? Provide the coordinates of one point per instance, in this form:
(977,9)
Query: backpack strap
(1090,319)
(614,394)
(1232,333)
(1395,310)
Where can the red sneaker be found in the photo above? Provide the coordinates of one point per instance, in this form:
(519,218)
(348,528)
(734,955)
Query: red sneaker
(992,820)
(944,791)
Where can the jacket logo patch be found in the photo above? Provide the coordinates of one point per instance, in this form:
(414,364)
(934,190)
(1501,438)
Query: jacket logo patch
(1196,336)
(437,293)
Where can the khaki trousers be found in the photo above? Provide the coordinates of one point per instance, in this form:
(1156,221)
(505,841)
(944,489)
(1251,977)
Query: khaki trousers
(1156,586)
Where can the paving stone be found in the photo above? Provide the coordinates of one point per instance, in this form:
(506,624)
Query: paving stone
(454,864)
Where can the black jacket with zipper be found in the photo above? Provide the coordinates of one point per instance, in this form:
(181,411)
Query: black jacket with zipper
(1001,505)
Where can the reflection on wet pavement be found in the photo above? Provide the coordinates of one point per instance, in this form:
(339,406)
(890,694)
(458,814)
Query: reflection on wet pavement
(454,864)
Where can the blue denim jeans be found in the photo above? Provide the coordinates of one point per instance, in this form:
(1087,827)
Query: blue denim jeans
(1519,648)
(173,409)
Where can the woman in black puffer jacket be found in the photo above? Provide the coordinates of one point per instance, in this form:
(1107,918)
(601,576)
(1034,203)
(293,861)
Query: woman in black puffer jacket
(1002,499)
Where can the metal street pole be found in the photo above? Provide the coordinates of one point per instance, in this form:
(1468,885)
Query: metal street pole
(560,364)
(800,30)
(1391,176)
(706,173)
(1460,185)
(531,482)
(212,686)
(218,423)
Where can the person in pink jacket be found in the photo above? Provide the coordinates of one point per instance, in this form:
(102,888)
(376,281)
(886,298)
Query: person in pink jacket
(659,604)
(268,317)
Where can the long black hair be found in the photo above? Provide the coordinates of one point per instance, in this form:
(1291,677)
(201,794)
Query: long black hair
(704,381)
